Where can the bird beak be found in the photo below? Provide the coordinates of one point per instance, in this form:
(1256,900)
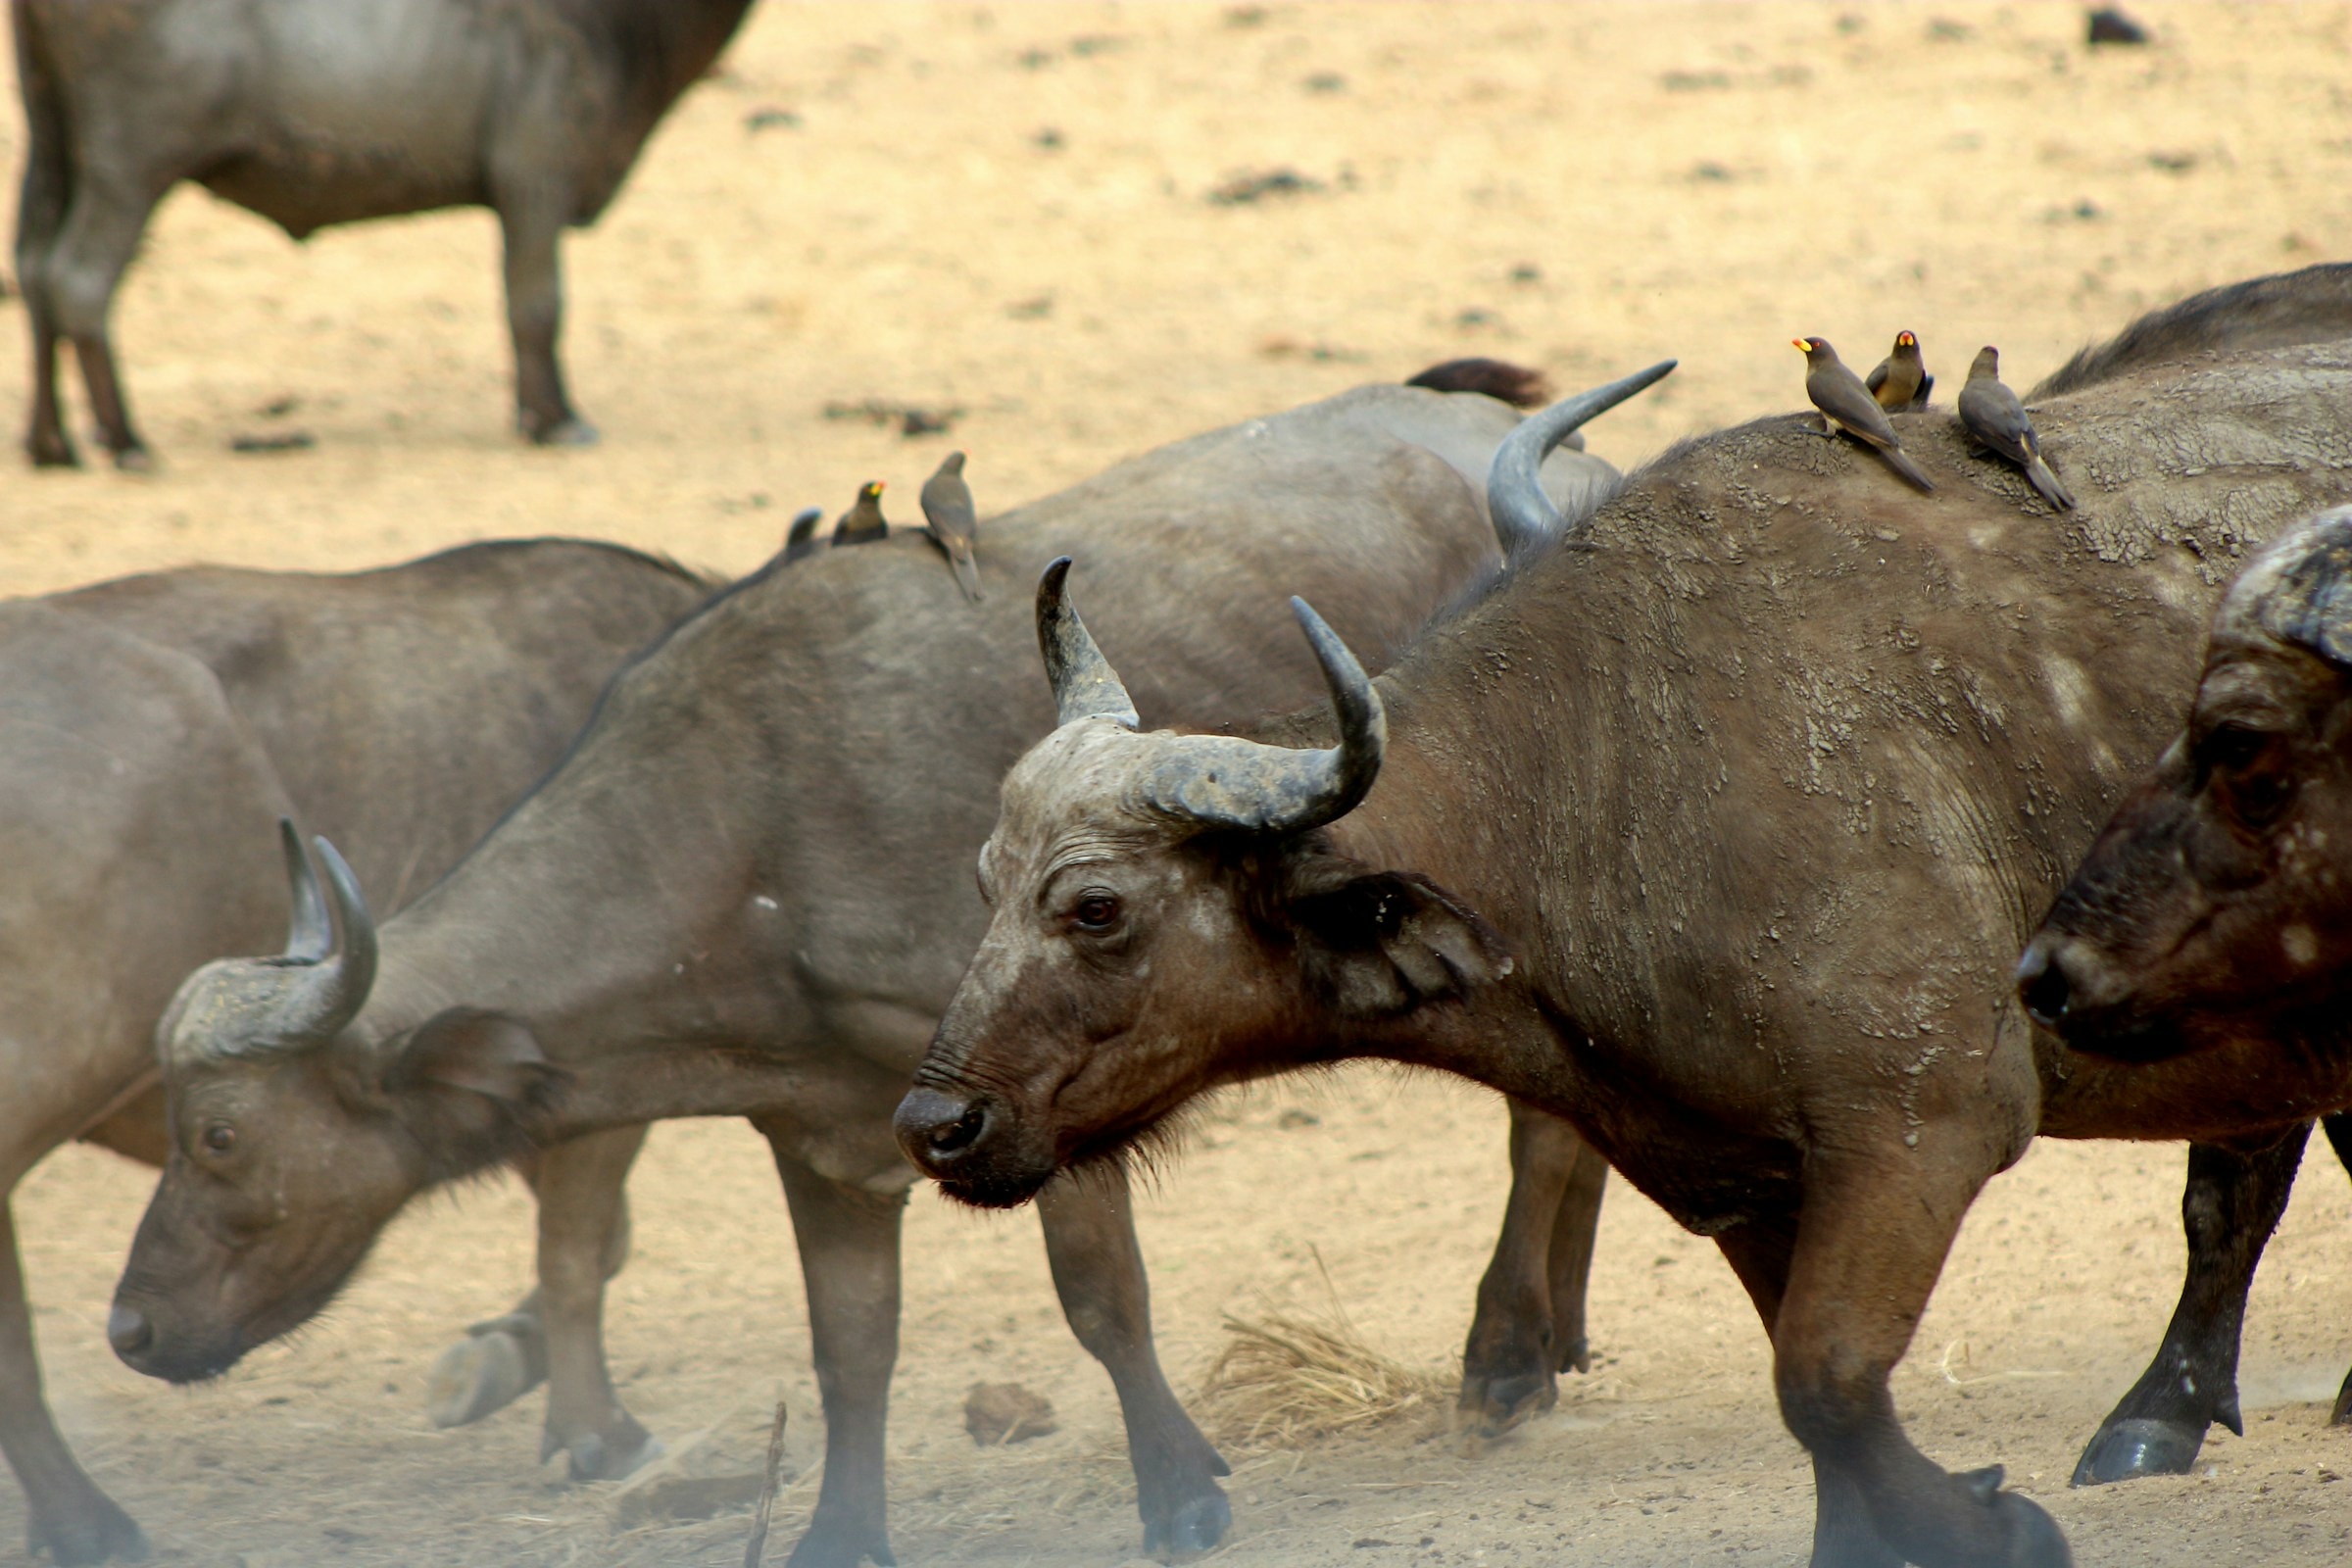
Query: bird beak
(1801,345)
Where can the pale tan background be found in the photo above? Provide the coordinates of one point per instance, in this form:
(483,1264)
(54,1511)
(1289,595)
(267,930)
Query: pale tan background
(1699,181)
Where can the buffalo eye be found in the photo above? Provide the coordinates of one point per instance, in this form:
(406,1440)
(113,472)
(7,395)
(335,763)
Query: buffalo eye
(2248,770)
(220,1138)
(1095,913)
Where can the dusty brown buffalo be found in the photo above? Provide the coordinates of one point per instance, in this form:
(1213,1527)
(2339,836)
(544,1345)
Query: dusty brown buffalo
(152,731)
(748,891)
(1716,838)
(2235,1191)
(2215,915)
(318,112)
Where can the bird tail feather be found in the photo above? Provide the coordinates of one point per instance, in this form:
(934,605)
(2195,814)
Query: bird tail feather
(1900,461)
(2043,479)
(968,570)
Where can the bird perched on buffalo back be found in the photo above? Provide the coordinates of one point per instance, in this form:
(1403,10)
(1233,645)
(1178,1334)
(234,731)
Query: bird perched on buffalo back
(952,522)
(863,523)
(1997,422)
(1902,379)
(1845,403)
(801,539)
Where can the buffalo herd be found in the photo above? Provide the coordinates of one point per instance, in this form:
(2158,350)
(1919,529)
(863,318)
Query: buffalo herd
(1703,811)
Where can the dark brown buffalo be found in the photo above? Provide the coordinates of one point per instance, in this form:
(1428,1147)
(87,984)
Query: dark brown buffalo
(2235,1191)
(2214,916)
(749,892)
(1715,836)
(318,112)
(152,731)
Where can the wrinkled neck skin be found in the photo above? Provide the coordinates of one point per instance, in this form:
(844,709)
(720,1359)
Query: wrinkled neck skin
(651,947)
(1608,973)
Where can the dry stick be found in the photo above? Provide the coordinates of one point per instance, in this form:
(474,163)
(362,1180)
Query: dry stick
(756,1547)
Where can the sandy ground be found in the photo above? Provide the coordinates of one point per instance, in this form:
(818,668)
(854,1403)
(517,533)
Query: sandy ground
(1583,187)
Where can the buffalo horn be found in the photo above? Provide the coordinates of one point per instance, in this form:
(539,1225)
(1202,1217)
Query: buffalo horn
(308,936)
(2310,601)
(1085,686)
(328,986)
(1223,781)
(1525,520)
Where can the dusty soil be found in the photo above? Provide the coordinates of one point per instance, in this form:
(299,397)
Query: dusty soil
(1583,187)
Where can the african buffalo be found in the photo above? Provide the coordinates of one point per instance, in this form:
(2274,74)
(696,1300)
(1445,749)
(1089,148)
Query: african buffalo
(749,892)
(152,731)
(2235,1191)
(1714,834)
(318,112)
(2211,916)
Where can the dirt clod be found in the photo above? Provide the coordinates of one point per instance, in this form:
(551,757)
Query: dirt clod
(1000,1413)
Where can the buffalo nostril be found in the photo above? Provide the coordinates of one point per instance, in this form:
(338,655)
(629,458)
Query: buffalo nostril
(961,1134)
(128,1331)
(2042,986)
(934,1128)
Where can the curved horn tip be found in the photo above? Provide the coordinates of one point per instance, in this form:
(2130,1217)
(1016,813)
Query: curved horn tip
(1085,686)
(1524,517)
(1363,718)
(1330,647)
(309,937)
(350,908)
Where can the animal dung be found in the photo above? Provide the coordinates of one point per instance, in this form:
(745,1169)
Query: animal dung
(273,441)
(1252,185)
(998,1413)
(2109,24)
(913,418)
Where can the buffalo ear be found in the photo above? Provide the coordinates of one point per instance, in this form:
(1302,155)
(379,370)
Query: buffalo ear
(474,1052)
(1379,943)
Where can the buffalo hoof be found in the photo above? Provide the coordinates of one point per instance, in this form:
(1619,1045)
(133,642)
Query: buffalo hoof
(2125,1450)
(134,458)
(483,1373)
(569,431)
(1492,1407)
(97,1533)
(842,1544)
(1195,1526)
(51,450)
(603,1455)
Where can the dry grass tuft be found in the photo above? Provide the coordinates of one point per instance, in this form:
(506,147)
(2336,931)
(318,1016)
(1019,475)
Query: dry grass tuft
(1280,1380)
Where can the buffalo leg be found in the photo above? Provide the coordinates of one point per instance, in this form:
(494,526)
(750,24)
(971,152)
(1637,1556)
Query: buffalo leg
(531,225)
(2228,1208)
(2339,1135)
(848,1242)
(66,1514)
(1759,1252)
(1529,1324)
(584,1240)
(583,1235)
(40,213)
(100,234)
(1877,1219)
(1099,1273)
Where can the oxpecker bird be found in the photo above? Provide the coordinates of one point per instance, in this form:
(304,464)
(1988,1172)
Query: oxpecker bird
(1902,379)
(1846,405)
(1998,422)
(863,523)
(800,540)
(953,526)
